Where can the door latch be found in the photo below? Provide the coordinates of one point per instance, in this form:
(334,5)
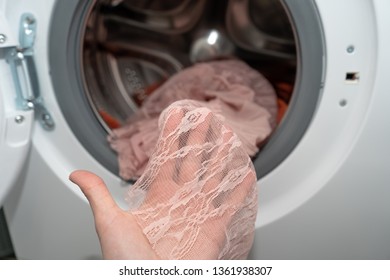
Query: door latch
(23,69)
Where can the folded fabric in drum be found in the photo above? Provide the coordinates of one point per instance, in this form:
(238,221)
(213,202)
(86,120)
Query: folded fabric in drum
(236,93)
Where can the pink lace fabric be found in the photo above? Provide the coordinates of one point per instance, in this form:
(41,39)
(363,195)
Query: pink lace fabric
(239,95)
(197,198)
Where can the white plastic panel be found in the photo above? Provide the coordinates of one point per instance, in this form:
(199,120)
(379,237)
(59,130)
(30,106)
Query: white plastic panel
(329,200)
(15,125)
(15,136)
(338,119)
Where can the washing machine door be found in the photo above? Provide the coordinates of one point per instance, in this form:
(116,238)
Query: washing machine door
(20,100)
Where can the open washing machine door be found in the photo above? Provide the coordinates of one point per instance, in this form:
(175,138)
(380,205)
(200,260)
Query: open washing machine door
(18,101)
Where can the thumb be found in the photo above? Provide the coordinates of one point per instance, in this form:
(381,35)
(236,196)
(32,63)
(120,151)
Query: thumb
(96,192)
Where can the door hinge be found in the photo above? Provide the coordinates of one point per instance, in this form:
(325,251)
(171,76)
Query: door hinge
(23,69)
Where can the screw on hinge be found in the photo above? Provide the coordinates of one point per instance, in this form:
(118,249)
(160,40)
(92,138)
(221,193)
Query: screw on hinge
(3,38)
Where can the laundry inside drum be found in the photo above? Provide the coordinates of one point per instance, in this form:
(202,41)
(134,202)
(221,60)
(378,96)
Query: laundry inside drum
(131,48)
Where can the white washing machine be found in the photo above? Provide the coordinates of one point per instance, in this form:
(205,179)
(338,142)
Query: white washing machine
(324,174)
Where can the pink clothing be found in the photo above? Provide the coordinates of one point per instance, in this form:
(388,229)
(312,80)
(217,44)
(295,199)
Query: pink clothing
(237,94)
(197,198)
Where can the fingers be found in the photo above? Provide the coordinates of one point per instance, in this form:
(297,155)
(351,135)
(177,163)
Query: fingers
(195,149)
(215,230)
(96,192)
(169,121)
(221,160)
(168,143)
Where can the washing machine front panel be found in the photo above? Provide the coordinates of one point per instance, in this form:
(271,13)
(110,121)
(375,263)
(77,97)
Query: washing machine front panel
(342,75)
(351,61)
(337,171)
(86,74)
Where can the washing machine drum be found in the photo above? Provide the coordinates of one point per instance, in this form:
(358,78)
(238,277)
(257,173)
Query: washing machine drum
(107,57)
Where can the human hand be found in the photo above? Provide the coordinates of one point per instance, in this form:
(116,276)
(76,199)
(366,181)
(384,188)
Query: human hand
(119,234)
(197,198)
